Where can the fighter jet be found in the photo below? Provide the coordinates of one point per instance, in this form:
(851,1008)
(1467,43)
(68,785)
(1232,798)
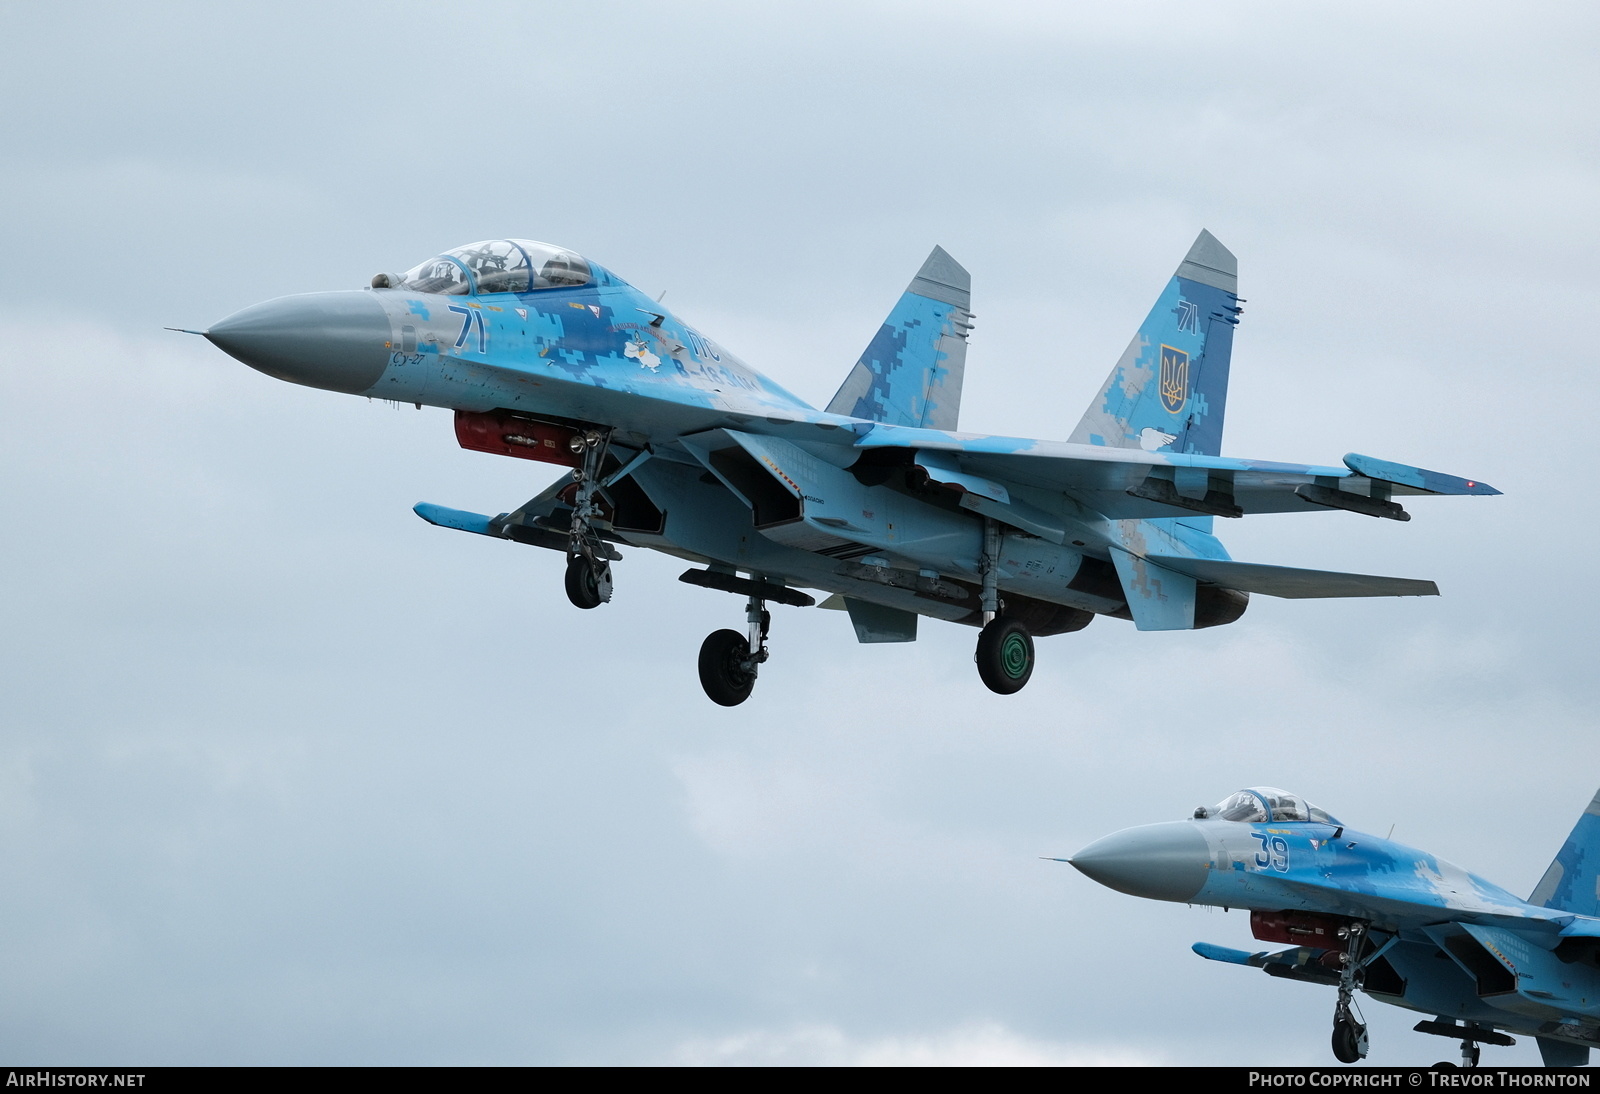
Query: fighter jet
(1401,925)
(670,442)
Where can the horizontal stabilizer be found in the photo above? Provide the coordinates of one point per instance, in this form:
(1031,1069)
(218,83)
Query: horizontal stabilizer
(1293,584)
(1431,482)
(459,519)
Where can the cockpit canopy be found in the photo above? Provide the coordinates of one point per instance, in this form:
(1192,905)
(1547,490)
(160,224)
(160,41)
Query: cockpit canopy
(496,265)
(1264,805)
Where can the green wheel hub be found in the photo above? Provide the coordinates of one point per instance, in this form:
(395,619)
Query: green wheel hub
(1014,656)
(1005,655)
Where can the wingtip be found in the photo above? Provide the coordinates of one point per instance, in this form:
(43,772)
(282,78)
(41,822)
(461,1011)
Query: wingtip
(1432,482)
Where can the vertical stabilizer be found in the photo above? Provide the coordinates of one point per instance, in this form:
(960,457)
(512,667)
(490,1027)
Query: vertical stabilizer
(1572,883)
(911,372)
(1168,391)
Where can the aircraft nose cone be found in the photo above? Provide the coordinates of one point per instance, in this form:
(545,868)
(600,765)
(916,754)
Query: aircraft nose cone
(1157,861)
(332,340)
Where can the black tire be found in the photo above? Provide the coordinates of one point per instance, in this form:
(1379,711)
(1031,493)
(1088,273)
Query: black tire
(582,588)
(1345,1042)
(722,668)
(1005,655)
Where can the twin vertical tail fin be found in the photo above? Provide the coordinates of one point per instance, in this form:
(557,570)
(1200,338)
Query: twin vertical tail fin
(1572,883)
(911,372)
(1169,389)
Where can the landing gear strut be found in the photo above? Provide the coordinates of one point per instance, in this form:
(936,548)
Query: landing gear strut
(1005,648)
(729,660)
(588,565)
(1349,1032)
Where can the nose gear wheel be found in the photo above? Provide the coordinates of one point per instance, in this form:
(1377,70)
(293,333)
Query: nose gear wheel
(583,587)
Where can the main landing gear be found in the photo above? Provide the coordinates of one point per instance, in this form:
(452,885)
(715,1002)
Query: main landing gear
(1349,1032)
(1005,648)
(729,660)
(588,558)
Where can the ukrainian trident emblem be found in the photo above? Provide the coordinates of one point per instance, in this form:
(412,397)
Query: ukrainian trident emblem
(1174,380)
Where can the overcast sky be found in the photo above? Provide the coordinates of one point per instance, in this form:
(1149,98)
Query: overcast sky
(289,777)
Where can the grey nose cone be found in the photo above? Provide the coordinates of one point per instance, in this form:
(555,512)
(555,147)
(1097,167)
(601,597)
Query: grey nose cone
(332,340)
(1157,861)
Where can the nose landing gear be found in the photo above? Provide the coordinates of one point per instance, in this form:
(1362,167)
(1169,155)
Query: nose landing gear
(584,584)
(1349,1032)
(1349,1037)
(588,580)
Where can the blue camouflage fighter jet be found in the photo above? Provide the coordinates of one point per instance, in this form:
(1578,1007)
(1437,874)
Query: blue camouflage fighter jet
(1401,925)
(671,443)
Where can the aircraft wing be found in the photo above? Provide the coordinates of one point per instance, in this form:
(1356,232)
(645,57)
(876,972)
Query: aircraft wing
(1123,484)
